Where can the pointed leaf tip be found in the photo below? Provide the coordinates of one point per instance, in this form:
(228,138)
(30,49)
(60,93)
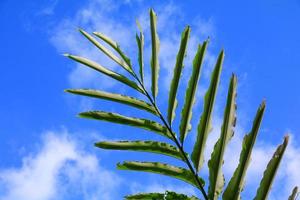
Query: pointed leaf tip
(172,104)
(204,125)
(216,161)
(286,140)
(138,24)
(186,113)
(154,54)
(66,54)
(236,183)
(294,194)
(270,172)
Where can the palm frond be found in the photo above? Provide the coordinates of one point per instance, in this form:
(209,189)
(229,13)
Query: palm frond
(127,100)
(155,52)
(144,146)
(236,183)
(216,177)
(186,113)
(165,127)
(140,43)
(177,73)
(270,172)
(103,70)
(106,51)
(116,47)
(161,168)
(204,126)
(294,194)
(168,195)
(131,121)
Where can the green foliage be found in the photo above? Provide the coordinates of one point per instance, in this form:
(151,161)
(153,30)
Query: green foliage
(216,177)
(160,196)
(294,194)
(177,73)
(189,173)
(236,183)
(186,114)
(269,174)
(155,52)
(140,43)
(131,101)
(204,126)
(161,168)
(146,146)
(120,119)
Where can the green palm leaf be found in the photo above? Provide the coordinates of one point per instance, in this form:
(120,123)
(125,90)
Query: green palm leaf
(155,52)
(99,68)
(177,73)
(186,113)
(161,168)
(116,98)
(216,177)
(294,194)
(160,196)
(106,51)
(131,121)
(189,174)
(204,126)
(146,196)
(115,46)
(145,146)
(236,183)
(270,172)
(140,43)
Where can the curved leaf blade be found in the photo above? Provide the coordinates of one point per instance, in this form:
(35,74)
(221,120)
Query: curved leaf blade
(236,183)
(131,121)
(140,42)
(161,168)
(127,100)
(204,126)
(270,172)
(115,46)
(146,196)
(216,177)
(106,51)
(168,195)
(103,70)
(143,146)
(155,52)
(186,113)
(294,194)
(177,74)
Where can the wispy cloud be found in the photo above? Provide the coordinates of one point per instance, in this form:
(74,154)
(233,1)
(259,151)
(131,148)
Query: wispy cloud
(49,8)
(59,169)
(105,17)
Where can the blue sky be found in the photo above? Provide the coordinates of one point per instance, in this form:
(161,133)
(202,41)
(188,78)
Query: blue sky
(46,151)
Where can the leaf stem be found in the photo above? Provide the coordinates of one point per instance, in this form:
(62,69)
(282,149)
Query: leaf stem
(178,144)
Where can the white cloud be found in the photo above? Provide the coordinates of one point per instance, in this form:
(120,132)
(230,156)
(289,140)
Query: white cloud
(96,16)
(101,15)
(58,170)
